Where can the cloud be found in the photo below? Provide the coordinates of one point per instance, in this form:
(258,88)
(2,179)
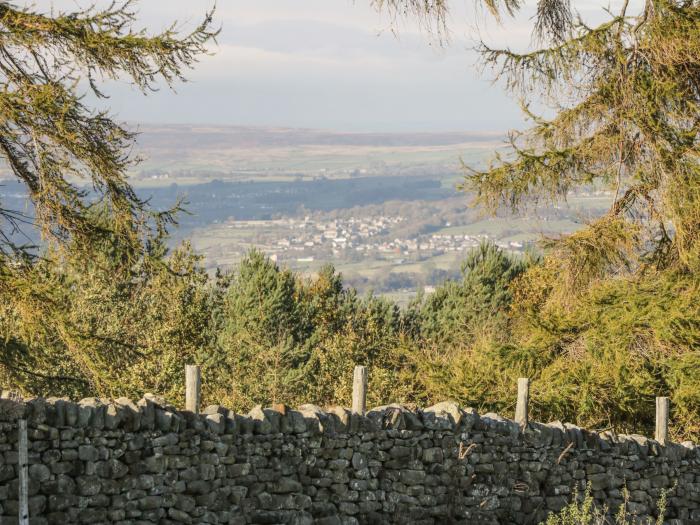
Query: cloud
(334,64)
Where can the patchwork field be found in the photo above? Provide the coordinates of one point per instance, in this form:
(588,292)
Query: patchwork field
(192,154)
(382,208)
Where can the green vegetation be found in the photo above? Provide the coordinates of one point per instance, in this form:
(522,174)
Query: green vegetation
(196,154)
(264,334)
(613,301)
(69,313)
(605,321)
(585,512)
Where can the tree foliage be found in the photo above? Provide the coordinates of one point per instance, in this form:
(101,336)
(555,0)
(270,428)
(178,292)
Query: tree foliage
(604,322)
(51,140)
(607,314)
(285,338)
(99,238)
(264,334)
(107,330)
(625,98)
(460,311)
(553,17)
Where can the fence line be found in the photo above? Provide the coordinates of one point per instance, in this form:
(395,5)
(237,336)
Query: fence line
(359,399)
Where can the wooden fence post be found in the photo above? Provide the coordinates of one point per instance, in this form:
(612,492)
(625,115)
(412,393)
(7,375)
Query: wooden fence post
(521,416)
(359,390)
(23,463)
(662,411)
(193,386)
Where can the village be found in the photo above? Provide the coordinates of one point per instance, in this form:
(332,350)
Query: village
(308,239)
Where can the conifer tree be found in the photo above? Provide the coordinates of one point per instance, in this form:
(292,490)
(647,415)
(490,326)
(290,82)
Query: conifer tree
(478,303)
(73,162)
(625,97)
(553,16)
(607,321)
(52,140)
(609,307)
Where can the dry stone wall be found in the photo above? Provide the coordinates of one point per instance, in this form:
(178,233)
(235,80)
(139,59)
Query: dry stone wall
(142,463)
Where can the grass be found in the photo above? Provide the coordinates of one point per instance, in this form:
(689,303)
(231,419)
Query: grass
(287,163)
(497,226)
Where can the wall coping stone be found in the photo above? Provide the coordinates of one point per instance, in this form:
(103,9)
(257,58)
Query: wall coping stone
(154,413)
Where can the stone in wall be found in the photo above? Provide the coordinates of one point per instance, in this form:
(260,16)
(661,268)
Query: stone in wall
(115,461)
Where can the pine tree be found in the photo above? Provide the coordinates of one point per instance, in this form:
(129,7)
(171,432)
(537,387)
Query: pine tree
(553,16)
(459,311)
(607,321)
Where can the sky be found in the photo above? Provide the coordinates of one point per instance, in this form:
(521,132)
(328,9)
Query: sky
(331,64)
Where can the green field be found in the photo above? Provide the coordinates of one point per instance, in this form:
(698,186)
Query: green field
(498,227)
(191,155)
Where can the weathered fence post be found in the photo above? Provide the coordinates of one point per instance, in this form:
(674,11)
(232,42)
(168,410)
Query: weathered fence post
(359,390)
(662,411)
(523,399)
(193,386)
(23,463)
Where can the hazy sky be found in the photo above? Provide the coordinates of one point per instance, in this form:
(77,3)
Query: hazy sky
(330,64)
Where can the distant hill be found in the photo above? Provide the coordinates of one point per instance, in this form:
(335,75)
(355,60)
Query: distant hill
(196,154)
(206,136)
(191,154)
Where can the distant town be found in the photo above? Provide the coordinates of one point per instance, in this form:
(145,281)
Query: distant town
(396,247)
(363,235)
(390,235)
